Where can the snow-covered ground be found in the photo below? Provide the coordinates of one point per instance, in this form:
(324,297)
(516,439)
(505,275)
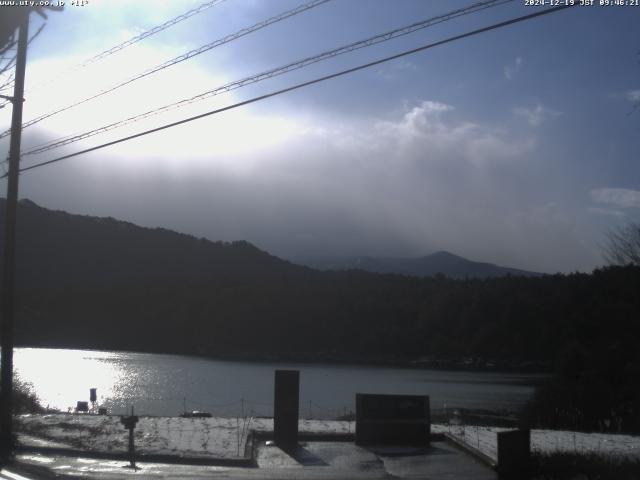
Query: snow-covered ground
(225,437)
(549,441)
(219,437)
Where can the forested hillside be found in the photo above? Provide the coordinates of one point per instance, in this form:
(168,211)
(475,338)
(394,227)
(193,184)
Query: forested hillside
(102,283)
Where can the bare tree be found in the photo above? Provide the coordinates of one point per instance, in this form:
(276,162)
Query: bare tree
(623,245)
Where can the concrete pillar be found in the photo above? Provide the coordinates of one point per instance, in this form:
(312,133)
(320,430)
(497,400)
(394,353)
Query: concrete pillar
(285,406)
(514,453)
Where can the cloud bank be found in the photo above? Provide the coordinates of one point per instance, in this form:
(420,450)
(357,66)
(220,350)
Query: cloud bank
(403,184)
(619,197)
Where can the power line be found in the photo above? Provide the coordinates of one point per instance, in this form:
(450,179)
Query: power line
(271,73)
(38,32)
(137,38)
(9,45)
(301,85)
(383,37)
(9,61)
(7,84)
(150,32)
(7,66)
(12,61)
(180,58)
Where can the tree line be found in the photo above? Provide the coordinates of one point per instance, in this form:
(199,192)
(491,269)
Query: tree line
(89,282)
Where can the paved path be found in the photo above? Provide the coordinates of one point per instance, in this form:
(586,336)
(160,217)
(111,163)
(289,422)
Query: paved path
(309,460)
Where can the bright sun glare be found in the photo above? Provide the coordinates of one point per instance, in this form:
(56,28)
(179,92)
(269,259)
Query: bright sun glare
(227,140)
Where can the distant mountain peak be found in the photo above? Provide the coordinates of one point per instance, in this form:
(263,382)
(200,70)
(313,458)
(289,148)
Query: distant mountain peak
(443,253)
(440,262)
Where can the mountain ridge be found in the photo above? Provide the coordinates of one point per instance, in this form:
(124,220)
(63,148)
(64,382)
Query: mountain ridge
(91,282)
(440,262)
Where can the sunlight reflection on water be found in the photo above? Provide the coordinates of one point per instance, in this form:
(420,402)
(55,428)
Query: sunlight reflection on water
(62,377)
(166,384)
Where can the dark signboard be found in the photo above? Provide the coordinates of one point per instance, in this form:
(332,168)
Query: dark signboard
(285,414)
(392,419)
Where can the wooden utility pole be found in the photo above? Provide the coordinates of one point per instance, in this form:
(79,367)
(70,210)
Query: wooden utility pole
(6,331)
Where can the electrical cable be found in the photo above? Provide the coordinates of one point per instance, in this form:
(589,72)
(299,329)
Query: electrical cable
(12,62)
(152,31)
(7,84)
(178,59)
(383,37)
(304,84)
(8,65)
(8,46)
(136,39)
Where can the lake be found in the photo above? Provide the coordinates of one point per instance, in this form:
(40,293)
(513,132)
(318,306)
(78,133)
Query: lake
(158,384)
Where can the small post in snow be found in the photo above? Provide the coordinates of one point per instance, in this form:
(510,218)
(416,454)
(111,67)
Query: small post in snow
(130,424)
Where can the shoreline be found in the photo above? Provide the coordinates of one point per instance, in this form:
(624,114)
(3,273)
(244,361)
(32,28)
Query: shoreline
(440,364)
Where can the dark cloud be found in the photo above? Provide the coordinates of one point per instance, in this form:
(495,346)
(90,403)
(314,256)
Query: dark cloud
(402,186)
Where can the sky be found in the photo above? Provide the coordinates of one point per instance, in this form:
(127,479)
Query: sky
(518,146)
